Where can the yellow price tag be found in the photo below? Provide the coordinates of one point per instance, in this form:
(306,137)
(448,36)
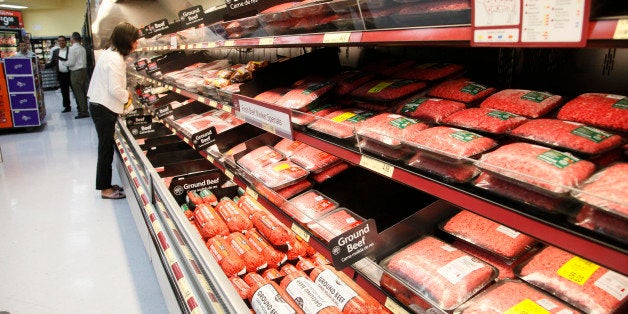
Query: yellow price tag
(335,38)
(229,43)
(527,306)
(394,307)
(343,117)
(300,232)
(621,30)
(251,192)
(578,270)
(281,167)
(201,99)
(227,108)
(229,174)
(379,87)
(377,166)
(266,41)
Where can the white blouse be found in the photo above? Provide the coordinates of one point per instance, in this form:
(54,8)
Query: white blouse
(108,84)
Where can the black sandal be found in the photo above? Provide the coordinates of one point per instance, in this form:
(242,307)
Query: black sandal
(114,196)
(117,187)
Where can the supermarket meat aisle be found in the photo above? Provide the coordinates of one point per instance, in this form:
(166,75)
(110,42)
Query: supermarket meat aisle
(63,248)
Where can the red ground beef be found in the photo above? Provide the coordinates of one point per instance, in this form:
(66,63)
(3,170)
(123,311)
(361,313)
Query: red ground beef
(289,147)
(309,205)
(330,173)
(485,120)
(592,218)
(334,224)
(259,157)
(602,290)
(568,135)
(429,109)
(531,104)
(313,159)
(506,270)
(390,128)
(305,118)
(294,189)
(602,110)
(440,272)
(489,235)
(376,106)
(341,123)
(542,167)
(451,171)
(607,189)
(387,67)
(241,287)
(452,142)
(431,71)
(509,295)
(280,174)
(461,90)
(387,90)
(304,96)
(348,81)
(271,96)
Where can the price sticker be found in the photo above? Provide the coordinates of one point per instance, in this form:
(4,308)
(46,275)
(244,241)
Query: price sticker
(266,41)
(335,38)
(201,99)
(213,103)
(251,192)
(577,270)
(210,158)
(621,30)
(185,139)
(229,43)
(229,174)
(227,108)
(300,232)
(169,87)
(177,90)
(377,166)
(269,128)
(394,307)
(527,306)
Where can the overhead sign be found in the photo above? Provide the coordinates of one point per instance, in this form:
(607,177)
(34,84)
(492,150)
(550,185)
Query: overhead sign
(275,120)
(192,17)
(11,19)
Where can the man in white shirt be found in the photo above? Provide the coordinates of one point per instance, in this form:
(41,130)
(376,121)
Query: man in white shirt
(77,62)
(24,51)
(63,73)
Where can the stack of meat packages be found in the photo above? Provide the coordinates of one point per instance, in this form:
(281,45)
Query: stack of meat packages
(531,146)
(221,120)
(270,267)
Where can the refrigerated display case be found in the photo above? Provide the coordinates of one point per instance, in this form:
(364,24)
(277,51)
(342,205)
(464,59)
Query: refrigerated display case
(9,41)
(42,47)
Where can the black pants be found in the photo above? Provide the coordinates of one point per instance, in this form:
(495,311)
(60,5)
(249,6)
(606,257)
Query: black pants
(64,83)
(105,122)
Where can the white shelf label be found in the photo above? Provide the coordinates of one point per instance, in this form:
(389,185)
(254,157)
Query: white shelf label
(335,38)
(251,192)
(556,21)
(227,108)
(377,166)
(274,121)
(621,30)
(266,41)
(229,174)
(213,103)
(210,158)
(211,44)
(229,43)
(394,307)
(300,232)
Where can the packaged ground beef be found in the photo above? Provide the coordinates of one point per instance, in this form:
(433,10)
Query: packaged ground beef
(335,223)
(505,268)
(280,174)
(462,90)
(331,172)
(292,190)
(387,67)
(388,90)
(271,96)
(540,167)
(568,135)
(593,218)
(514,296)
(601,110)
(485,120)
(313,159)
(452,142)
(577,281)
(305,96)
(531,104)
(390,128)
(607,190)
(348,81)
(305,118)
(341,123)
(259,157)
(309,206)
(489,235)
(440,272)
(459,172)
(432,110)
(289,147)
(431,71)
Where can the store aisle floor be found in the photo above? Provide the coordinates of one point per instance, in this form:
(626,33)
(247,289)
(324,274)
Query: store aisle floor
(63,249)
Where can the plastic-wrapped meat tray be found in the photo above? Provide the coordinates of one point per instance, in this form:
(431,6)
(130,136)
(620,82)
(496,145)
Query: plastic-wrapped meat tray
(506,268)
(432,13)
(458,172)
(432,110)
(485,120)
(531,104)
(431,71)
(335,223)
(489,235)
(259,157)
(508,296)
(390,129)
(273,95)
(387,67)
(451,142)
(388,90)
(313,159)
(305,96)
(462,90)
(348,81)
(302,119)
(602,110)
(538,167)
(579,282)
(592,218)
(386,151)
(341,123)
(309,206)
(288,147)
(607,190)
(439,272)
(280,174)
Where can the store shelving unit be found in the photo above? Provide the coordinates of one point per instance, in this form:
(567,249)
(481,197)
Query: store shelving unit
(43,49)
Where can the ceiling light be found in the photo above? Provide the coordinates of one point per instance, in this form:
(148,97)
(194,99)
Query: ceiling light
(12,6)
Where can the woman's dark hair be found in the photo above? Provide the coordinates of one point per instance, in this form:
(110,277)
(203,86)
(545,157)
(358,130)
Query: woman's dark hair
(123,37)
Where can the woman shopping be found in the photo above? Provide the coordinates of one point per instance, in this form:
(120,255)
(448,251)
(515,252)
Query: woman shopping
(107,95)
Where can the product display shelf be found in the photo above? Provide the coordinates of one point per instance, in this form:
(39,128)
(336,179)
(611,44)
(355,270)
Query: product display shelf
(575,241)
(190,280)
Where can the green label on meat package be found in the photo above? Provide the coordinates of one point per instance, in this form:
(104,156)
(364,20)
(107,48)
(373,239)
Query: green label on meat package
(591,134)
(314,87)
(402,123)
(464,136)
(557,159)
(473,88)
(501,115)
(321,108)
(360,117)
(536,96)
(413,105)
(621,104)
(401,83)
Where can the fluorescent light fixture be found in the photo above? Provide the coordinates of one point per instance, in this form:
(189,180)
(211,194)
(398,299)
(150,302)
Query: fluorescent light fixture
(13,6)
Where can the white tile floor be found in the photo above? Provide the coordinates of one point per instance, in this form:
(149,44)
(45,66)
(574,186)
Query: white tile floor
(63,249)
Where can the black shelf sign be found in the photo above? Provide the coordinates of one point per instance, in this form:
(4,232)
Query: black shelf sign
(139,120)
(204,139)
(192,17)
(354,244)
(164,111)
(158,27)
(143,131)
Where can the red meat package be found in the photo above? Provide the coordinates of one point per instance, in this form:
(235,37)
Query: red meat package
(452,142)
(226,257)
(265,296)
(461,90)
(506,269)
(335,223)
(514,296)
(293,190)
(568,135)
(272,229)
(272,257)
(341,123)
(592,218)
(542,167)
(209,222)
(235,219)
(459,172)
(273,95)
(313,159)
(348,81)
(526,103)
(240,286)
(432,110)
(581,283)
(259,157)
(485,120)
(440,272)
(601,110)
(288,147)
(431,71)
(251,257)
(489,235)
(390,128)
(330,173)
(280,174)
(309,206)
(305,96)
(388,90)
(305,118)
(607,190)
(386,67)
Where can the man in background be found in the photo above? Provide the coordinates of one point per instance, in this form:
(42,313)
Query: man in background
(77,62)
(63,73)
(24,51)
